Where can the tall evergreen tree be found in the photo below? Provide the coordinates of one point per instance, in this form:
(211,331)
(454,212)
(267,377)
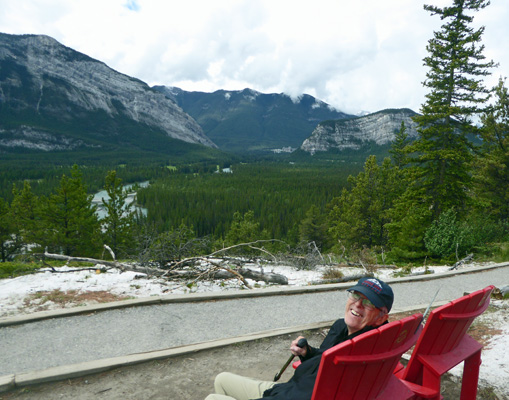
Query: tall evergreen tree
(118,224)
(442,152)
(398,147)
(440,175)
(359,216)
(25,216)
(7,237)
(70,220)
(492,175)
(244,229)
(313,228)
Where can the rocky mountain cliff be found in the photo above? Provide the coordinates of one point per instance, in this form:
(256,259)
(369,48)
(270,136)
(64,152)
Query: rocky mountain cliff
(353,133)
(249,121)
(54,98)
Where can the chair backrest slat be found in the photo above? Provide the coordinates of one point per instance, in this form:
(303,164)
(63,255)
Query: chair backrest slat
(354,374)
(400,341)
(354,369)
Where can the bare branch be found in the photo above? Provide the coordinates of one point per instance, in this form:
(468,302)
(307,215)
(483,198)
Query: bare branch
(114,264)
(111,251)
(224,249)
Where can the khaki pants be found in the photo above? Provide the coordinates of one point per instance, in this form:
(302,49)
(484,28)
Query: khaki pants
(235,387)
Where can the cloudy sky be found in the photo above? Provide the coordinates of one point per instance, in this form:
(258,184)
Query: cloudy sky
(358,56)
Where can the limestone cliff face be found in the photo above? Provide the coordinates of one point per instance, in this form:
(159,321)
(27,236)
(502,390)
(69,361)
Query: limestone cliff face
(41,80)
(379,127)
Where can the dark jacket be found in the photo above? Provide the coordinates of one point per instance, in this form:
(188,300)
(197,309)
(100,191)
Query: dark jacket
(300,386)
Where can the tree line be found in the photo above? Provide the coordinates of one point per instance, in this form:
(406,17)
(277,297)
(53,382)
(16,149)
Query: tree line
(66,220)
(439,196)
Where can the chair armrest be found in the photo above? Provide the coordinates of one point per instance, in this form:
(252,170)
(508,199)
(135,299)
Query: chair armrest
(421,391)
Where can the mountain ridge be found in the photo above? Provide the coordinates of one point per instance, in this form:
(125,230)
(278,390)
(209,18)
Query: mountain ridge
(351,134)
(250,121)
(53,98)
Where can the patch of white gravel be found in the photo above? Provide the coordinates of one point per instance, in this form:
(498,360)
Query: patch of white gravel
(13,292)
(495,362)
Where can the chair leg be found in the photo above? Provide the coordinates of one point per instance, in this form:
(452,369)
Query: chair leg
(431,380)
(470,377)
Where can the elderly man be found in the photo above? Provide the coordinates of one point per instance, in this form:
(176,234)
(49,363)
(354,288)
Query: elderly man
(367,307)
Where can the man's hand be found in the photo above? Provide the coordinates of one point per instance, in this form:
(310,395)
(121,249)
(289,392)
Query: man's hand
(299,347)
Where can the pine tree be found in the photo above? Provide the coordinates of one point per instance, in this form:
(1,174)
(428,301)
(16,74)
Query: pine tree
(313,228)
(244,229)
(7,237)
(118,224)
(69,218)
(440,177)
(359,216)
(442,152)
(25,215)
(492,165)
(398,147)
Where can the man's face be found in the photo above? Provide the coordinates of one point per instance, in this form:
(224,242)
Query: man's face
(357,316)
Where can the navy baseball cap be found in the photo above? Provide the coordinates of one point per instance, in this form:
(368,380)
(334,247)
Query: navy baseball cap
(377,291)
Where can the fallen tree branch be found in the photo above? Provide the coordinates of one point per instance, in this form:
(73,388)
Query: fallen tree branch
(425,272)
(463,261)
(111,264)
(231,271)
(223,273)
(218,271)
(257,276)
(347,278)
(248,244)
(114,264)
(215,269)
(111,252)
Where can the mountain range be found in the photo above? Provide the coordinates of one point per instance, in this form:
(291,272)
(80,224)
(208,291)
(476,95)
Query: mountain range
(250,121)
(54,99)
(58,103)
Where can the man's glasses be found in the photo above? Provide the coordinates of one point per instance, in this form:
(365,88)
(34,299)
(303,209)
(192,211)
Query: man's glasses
(354,296)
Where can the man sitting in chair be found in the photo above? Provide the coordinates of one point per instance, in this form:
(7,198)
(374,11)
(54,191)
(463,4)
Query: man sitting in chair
(367,307)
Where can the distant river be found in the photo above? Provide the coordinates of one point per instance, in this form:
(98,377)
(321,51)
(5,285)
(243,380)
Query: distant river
(101,212)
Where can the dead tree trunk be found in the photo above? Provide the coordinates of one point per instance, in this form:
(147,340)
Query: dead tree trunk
(216,269)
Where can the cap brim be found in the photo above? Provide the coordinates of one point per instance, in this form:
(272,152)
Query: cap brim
(370,295)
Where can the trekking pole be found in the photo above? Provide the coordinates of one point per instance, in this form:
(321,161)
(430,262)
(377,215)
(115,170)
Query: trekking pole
(428,309)
(301,343)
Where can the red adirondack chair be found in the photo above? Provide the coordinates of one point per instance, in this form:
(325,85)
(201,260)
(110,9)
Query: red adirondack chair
(444,344)
(362,368)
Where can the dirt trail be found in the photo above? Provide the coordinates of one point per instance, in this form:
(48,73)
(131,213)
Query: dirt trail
(191,377)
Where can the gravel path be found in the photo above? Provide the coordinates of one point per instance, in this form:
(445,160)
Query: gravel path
(69,340)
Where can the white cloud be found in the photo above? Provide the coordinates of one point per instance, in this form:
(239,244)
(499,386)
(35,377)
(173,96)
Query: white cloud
(353,55)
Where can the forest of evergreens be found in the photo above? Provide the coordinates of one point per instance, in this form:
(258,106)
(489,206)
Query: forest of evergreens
(439,197)
(279,194)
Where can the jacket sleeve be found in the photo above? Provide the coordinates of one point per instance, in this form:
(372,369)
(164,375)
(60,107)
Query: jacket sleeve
(336,332)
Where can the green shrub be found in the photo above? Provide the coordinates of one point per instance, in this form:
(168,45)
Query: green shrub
(443,237)
(13,269)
